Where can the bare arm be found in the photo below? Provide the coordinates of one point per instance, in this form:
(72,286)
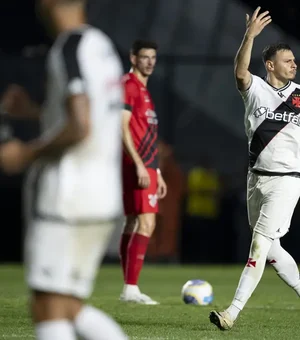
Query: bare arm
(127,139)
(254,25)
(142,173)
(242,62)
(18,104)
(15,156)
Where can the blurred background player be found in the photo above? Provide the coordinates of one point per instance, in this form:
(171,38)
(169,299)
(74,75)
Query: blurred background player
(74,186)
(143,184)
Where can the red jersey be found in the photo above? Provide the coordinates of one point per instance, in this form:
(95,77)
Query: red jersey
(143,122)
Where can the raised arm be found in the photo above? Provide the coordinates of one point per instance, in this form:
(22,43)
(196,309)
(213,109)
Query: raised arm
(254,26)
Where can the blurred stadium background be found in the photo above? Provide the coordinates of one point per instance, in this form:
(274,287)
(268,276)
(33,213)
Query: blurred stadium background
(203,150)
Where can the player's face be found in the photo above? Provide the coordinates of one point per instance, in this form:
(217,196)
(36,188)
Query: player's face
(284,66)
(145,61)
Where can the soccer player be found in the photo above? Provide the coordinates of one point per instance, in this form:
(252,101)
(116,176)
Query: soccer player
(73,191)
(143,184)
(272,108)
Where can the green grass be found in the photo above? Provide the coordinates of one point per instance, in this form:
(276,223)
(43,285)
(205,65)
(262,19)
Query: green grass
(272,312)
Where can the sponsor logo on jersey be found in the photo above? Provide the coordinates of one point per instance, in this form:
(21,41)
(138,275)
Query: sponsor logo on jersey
(288,117)
(151,117)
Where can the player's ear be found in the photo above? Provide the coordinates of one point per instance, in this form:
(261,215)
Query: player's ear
(133,59)
(269,65)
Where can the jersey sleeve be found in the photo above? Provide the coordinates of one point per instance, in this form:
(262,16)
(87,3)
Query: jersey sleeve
(246,95)
(131,93)
(70,55)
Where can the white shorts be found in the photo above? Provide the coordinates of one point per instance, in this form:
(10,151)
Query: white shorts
(63,258)
(271,201)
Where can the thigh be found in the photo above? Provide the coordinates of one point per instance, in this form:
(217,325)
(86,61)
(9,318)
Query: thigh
(254,197)
(279,196)
(139,201)
(64,258)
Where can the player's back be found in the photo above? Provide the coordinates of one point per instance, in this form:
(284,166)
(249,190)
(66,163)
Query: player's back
(86,179)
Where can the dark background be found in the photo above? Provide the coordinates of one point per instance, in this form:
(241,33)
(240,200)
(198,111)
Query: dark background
(200,111)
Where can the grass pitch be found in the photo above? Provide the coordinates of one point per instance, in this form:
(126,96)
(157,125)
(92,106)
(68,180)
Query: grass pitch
(272,312)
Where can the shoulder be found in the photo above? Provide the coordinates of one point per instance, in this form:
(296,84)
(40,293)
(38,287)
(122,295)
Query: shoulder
(70,42)
(256,83)
(129,83)
(85,39)
(295,85)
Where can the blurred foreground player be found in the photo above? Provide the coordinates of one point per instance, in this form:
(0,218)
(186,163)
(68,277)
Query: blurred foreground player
(143,184)
(73,190)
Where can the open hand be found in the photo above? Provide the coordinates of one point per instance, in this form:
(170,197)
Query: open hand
(257,22)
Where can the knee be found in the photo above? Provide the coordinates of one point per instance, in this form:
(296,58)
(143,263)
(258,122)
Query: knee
(51,306)
(130,225)
(146,226)
(260,245)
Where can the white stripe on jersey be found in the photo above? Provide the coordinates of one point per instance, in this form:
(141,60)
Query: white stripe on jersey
(85,183)
(272,124)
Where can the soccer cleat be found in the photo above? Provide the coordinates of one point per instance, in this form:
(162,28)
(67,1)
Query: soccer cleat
(140,298)
(221,319)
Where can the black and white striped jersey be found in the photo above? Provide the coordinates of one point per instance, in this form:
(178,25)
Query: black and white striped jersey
(85,182)
(272,123)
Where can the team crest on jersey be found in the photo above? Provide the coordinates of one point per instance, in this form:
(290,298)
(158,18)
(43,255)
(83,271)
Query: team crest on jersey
(152,200)
(296,100)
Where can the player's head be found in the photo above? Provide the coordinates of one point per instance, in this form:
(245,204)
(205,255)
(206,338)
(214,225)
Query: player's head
(279,60)
(143,56)
(51,10)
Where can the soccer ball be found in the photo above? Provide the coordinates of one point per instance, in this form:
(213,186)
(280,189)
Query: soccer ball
(197,292)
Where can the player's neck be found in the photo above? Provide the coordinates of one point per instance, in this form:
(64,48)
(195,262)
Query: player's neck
(68,18)
(275,82)
(140,77)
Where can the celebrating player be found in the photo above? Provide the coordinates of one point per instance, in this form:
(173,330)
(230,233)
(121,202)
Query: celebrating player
(143,183)
(272,109)
(74,186)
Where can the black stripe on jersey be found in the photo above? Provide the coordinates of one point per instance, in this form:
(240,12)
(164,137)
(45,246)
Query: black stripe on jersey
(70,56)
(143,143)
(268,129)
(128,107)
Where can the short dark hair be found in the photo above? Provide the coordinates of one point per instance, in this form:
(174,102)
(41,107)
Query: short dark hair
(140,44)
(71,2)
(270,51)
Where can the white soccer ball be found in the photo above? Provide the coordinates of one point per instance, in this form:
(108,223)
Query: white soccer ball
(197,292)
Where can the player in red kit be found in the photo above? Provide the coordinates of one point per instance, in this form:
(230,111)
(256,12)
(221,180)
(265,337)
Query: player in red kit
(143,184)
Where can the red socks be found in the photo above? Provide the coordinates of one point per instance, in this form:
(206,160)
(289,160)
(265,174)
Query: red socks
(132,251)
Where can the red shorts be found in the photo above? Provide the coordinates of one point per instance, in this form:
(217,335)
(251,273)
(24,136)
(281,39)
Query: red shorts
(139,201)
